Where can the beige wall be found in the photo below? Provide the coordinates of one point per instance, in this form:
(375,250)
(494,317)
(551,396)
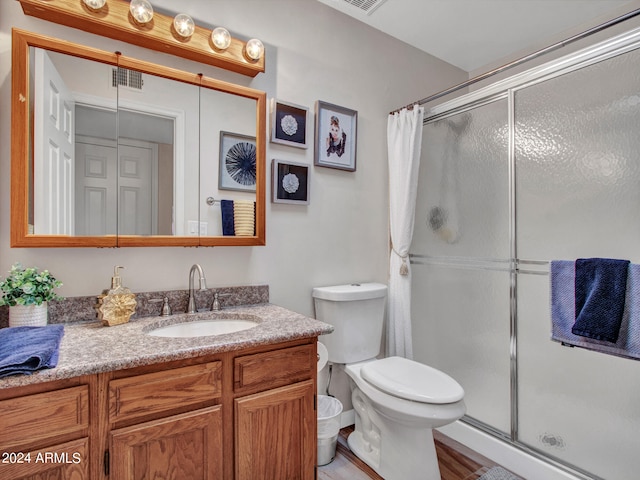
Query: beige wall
(313,53)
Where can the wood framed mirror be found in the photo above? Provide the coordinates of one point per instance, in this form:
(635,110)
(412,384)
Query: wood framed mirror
(110,151)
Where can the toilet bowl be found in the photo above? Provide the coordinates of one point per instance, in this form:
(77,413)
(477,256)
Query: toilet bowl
(397,402)
(395,415)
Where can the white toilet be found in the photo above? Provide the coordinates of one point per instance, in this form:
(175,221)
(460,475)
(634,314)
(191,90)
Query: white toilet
(397,401)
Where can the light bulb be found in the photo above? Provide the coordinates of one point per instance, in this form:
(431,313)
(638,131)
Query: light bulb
(221,38)
(141,11)
(184,25)
(95,4)
(254,49)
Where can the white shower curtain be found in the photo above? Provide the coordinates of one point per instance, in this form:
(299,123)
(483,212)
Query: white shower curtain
(404,139)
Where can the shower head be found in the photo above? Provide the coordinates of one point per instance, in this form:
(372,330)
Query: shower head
(459,123)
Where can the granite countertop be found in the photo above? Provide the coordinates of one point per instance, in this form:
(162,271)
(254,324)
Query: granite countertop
(89,348)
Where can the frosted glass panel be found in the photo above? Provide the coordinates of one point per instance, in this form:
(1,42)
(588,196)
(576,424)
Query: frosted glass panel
(577,184)
(574,404)
(463,200)
(575,193)
(578,170)
(461,317)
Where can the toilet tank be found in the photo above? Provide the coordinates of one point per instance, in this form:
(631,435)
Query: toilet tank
(356,312)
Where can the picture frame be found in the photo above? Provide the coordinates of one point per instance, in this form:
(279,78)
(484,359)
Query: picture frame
(290,182)
(289,124)
(339,150)
(237,162)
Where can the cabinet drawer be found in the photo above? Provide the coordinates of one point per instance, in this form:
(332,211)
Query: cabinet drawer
(161,392)
(44,415)
(274,369)
(64,461)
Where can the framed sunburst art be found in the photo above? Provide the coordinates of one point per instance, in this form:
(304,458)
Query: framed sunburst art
(237,162)
(289,124)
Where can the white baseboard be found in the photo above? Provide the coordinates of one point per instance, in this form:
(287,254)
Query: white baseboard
(347,418)
(502,453)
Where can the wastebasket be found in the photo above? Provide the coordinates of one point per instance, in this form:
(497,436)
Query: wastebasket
(329,410)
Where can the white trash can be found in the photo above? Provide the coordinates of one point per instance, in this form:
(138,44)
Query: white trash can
(329,410)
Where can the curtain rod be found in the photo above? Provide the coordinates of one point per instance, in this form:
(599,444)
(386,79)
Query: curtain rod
(524,59)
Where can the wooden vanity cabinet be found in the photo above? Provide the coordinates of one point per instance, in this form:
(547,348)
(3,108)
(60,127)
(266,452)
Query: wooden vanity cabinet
(275,427)
(44,431)
(175,445)
(239,415)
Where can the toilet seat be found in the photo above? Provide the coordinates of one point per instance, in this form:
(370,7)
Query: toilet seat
(411,380)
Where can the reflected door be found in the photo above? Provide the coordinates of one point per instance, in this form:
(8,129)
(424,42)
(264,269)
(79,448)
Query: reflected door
(130,183)
(54,151)
(137,202)
(96,186)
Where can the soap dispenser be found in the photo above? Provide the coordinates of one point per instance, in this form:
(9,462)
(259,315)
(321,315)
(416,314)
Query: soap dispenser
(116,305)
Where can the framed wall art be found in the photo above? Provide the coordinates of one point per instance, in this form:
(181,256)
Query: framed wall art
(289,124)
(336,136)
(290,182)
(237,162)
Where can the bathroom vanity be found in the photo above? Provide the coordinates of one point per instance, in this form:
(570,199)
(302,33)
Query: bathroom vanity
(233,406)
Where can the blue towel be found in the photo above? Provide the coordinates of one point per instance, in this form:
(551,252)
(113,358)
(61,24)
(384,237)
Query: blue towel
(600,284)
(23,350)
(228,228)
(562,281)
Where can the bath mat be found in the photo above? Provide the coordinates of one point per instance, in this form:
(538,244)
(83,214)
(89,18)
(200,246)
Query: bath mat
(498,473)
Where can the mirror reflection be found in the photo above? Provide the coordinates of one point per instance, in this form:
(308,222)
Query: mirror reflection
(228,164)
(121,152)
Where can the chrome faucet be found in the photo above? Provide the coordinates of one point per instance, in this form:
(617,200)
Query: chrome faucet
(203,286)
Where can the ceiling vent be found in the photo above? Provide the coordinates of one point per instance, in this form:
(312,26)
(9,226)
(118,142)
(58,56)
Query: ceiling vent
(368,6)
(123,77)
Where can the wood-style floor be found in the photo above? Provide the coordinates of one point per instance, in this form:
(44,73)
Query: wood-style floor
(456,461)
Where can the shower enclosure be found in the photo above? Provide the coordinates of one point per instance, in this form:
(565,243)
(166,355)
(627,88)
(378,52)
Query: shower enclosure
(544,165)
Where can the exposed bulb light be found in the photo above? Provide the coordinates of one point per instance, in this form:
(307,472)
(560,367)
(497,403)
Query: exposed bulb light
(184,25)
(221,38)
(141,11)
(95,4)
(254,49)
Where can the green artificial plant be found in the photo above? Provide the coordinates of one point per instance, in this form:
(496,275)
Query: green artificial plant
(27,286)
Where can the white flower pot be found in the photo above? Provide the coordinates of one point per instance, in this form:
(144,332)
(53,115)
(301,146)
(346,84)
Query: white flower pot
(28,315)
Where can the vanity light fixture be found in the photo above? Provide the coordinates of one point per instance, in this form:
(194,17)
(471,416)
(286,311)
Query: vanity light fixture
(184,25)
(254,49)
(95,4)
(141,11)
(221,38)
(135,22)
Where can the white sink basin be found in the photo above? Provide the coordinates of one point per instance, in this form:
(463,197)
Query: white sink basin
(203,328)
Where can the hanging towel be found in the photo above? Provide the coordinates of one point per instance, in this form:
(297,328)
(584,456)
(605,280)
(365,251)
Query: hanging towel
(562,281)
(600,288)
(226,206)
(24,350)
(244,214)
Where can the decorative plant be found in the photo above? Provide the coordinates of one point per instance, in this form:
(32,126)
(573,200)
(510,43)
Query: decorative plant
(27,286)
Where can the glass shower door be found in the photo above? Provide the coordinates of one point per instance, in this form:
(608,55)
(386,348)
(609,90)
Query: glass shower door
(461,257)
(577,195)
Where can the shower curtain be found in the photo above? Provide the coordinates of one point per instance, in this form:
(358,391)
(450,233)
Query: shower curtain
(404,138)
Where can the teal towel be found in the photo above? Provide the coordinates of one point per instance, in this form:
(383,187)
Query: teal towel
(24,350)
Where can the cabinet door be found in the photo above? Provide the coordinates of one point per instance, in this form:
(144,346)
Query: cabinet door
(276,434)
(68,461)
(186,446)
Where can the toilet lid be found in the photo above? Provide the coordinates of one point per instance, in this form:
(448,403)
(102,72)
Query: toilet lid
(411,380)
